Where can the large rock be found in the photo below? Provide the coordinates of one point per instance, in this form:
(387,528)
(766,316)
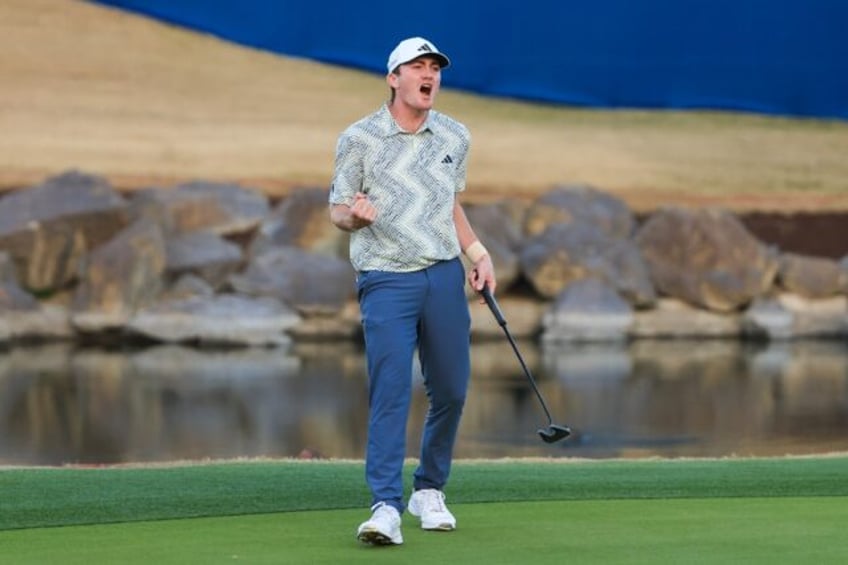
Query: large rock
(706,258)
(843,266)
(12,296)
(47,322)
(188,286)
(204,254)
(221,319)
(587,310)
(501,221)
(566,253)
(311,283)
(122,276)
(571,204)
(24,317)
(523,315)
(673,318)
(767,318)
(817,318)
(48,228)
(302,219)
(791,316)
(811,277)
(224,209)
(319,326)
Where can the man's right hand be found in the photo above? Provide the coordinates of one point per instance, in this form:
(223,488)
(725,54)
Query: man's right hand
(362,211)
(359,214)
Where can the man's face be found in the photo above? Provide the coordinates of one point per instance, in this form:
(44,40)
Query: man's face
(417,82)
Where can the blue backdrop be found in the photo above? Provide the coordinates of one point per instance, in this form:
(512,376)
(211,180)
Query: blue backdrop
(771,56)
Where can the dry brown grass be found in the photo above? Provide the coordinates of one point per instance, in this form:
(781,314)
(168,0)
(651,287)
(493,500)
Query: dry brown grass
(88,87)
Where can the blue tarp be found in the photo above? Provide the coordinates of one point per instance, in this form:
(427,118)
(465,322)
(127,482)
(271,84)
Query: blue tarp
(771,56)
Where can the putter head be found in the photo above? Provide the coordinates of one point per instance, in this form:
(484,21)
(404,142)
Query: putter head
(554,433)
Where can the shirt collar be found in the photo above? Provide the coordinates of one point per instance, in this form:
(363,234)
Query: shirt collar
(390,126)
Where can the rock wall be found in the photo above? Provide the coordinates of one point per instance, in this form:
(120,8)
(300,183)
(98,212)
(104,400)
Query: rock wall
(219,263)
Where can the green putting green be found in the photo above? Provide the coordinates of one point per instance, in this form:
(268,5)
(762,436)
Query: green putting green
(681,511)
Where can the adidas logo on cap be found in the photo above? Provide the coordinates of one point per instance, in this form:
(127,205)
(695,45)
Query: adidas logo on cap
(412,48)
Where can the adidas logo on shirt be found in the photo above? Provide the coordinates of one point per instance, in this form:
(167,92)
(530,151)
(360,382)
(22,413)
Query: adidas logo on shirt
(447,159)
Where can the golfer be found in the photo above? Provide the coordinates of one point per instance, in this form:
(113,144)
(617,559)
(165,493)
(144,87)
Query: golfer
(395,185)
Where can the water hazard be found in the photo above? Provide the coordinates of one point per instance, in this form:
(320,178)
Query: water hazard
(63,405)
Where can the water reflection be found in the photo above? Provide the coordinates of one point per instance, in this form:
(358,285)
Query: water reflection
(652,398)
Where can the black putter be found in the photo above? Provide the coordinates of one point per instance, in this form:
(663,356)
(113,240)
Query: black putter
(553,432)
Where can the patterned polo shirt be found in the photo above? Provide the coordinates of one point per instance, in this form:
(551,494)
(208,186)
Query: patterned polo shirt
(412,179)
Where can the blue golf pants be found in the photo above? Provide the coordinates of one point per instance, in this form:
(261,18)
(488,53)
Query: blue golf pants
(427,310)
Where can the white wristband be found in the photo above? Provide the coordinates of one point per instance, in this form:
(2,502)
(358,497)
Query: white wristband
(476,251)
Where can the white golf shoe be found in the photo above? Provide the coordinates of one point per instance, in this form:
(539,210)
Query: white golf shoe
(383,528)
(429,505)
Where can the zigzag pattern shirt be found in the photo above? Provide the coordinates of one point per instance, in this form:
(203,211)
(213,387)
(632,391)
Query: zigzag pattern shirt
(412,179)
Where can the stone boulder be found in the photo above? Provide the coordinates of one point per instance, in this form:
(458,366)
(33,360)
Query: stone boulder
(816,318)
(566,253)
(188,286)
(121,277)
(320,326)
(588,310)
(205,254)
(220,319)
(571,204)
(22,316)
(843,266)
(523,315)
(706,257)
(302,219)
(811,277)
(674,319)
(48,228)
(768,318)
(221,208)
(12,296)
(501,221)
(309,282)
(48,322)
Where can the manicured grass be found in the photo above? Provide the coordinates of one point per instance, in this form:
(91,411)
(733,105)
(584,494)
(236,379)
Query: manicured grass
(716,530)
(547,511)
(54,497)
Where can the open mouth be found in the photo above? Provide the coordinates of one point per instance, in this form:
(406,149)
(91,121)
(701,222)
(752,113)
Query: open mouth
(426,89)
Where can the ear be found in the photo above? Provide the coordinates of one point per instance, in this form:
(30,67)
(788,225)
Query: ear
(392,80)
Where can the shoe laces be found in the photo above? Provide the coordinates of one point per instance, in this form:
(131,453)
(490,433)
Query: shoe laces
(434,500)
(382,509)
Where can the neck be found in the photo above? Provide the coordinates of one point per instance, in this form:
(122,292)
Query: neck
(409,119)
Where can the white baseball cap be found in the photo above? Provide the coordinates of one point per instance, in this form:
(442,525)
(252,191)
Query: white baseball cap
(412,48)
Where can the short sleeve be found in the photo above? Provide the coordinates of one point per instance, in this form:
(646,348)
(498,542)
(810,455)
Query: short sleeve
(347,177)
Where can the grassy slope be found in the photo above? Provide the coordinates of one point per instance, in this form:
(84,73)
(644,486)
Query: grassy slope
(50,497)
(90,87)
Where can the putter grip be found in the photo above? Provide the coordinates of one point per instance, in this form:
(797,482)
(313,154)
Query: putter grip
(493,305)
